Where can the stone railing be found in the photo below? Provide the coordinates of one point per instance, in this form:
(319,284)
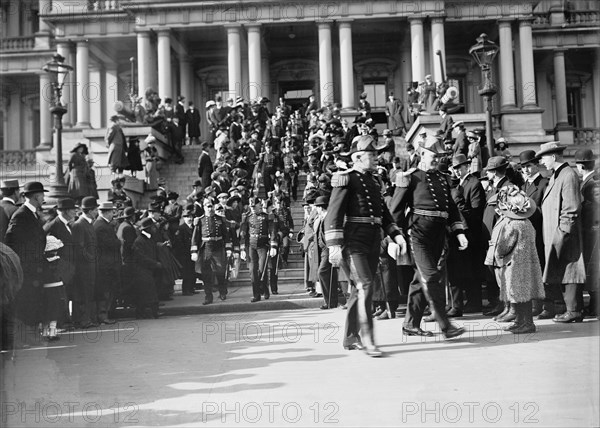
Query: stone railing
(17,44)
(587,136)
(103,5)
(17,158)
(541,19)
(583,17)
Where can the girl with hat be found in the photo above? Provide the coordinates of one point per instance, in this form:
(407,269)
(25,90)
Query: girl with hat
(516,267)
(474,153)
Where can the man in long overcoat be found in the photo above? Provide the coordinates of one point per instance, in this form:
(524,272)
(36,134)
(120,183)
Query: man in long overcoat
(109,261)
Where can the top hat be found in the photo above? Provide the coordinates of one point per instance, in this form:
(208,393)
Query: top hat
(77,146)
(584,156)
(106,206)
(322,201)
(33,187)
(127,212)
(9,184)
(89,202)
(65,204)
(514,203)
(496,162)
(459,160)
(528,156)
(146,223)
(549,148)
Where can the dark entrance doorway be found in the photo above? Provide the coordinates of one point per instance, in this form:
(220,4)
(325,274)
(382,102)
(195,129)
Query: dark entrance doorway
(296,92)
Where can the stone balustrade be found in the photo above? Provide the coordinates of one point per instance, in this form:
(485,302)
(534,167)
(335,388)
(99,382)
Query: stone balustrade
(17,44)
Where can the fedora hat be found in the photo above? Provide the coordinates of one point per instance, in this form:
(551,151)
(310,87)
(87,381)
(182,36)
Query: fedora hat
(146,223)
(66,204)
(528,156)
(496,162)
(77,146)
(33,187)
(549,148)
(459,160)
(127,213)
(232,199)
(9,184)
(106,206)
(89,202)
(197,183)
(584,156)
(514,203)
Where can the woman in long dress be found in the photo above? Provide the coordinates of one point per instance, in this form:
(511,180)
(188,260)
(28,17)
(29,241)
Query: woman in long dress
(78,173)
(117,150)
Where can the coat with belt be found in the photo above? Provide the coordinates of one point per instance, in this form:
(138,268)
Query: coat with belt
(67,253)
(26,237)
(84,237)
(561,225)
(535,190)
(109,257)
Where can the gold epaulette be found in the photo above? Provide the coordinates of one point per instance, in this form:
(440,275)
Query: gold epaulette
(403,178)
(340,178)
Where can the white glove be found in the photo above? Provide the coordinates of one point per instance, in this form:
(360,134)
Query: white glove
(194,257)
(273,252)
(243,255)
(463,243)
(228,253)
(399,239)
(291,235)
(335,255)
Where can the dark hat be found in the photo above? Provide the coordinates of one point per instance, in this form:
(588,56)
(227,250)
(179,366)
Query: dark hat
(366,143)
(322,201)
(496,162)
(459,160)
(172,195)
(265,100)
(77,146)
(197,183)
(180,98)
(127,212)
(154,208)
(528,156)
(33,187)
(239,172)
(363,96)
(324,178)
(584,156)
(312,195)
(89,202)
(146,223)
(9,184)
(232,199)
(65,204)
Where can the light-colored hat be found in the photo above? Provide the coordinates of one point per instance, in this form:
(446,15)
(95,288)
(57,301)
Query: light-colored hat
(210,103)
(106,206)
(549,148)
(514,203)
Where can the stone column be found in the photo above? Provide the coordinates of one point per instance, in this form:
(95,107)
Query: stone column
(527,67)
(46,93)
(111,90)
(64,49)
(185,79)
(560,88)
(438,44)
(507,77)
(417,49)
(266,77)
(234,60)
(44,8)
(96,97)
(144,62)
(596,88)
(255,88)
(164,64)
(325,63)
(83,84)
(346,65)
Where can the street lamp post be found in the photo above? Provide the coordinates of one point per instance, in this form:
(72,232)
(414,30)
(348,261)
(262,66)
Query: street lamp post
(58,72)
(484,52)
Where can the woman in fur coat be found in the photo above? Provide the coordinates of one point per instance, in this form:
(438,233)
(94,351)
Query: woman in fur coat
(517,267)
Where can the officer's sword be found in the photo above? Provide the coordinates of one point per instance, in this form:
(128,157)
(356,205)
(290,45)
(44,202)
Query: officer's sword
(262,278)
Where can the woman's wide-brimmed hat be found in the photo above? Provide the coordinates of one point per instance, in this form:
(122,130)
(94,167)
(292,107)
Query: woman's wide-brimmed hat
(514,203)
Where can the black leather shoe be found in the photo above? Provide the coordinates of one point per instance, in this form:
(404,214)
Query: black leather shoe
(222,296)
(497,310)
(207,302)
(454,313)
(254,300)
(568,317)
(546,315)
(357,346)
(374,352)
(416,331)
(453,331)
(267,296)
(275,292)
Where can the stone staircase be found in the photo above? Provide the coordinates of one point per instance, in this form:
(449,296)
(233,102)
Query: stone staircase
(179,178)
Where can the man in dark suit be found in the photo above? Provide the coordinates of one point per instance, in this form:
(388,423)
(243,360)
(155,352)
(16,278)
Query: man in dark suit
(108,281)
(84,236)
(145,267)
(126,234)
(192,118)
(535,186)
(10,196)
(394,112)
(181,248)
(205,166)
(25,235)
(469,197)
(496,173)
(412,161)
(181,116)
(60,227)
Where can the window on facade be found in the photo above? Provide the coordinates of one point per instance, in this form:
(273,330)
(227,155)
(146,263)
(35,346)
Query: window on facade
(302,93)
(574,106)
(376,94)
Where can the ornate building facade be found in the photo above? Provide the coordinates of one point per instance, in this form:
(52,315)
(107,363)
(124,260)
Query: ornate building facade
(547,70)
